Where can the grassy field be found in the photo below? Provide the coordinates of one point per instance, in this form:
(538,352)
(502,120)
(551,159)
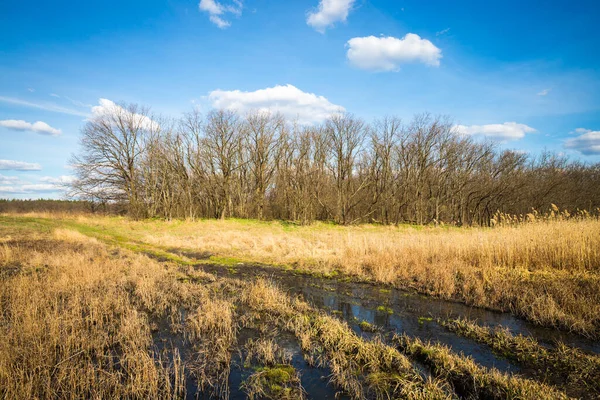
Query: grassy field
(105,307)
(547,272)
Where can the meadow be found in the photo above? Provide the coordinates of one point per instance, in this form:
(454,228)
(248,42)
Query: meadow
(105,307)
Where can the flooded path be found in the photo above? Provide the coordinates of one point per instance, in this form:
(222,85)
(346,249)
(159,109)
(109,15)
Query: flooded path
(382,309)
(402,311)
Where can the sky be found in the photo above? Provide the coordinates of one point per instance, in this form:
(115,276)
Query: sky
(525,74)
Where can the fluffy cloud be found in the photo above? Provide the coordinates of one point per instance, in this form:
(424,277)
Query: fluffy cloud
(500,132)
(19,166)
(588,143)
(288,100)
(217,11)
(388,53)
(328,13)
(110,108)
(38,127)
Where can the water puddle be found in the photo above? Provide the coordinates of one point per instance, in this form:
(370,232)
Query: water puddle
(401,311)
(314,380)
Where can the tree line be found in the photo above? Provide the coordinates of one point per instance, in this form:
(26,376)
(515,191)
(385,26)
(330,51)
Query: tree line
(260,165)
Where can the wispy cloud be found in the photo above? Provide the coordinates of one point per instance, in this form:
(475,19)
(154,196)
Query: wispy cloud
(29,188)
(38,127)
(442,32)
(19,165)
(12,185)
(43,106)
(76,103)
(544,92)
(58,180)
(217,11)
(9,180)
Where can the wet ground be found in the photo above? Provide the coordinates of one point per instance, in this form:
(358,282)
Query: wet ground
(386,309)
(400,310)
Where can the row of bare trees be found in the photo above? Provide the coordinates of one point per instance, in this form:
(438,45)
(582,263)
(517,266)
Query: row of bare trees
(260,165)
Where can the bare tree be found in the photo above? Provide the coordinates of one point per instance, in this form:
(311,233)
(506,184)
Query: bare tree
(262,166)
(112,144)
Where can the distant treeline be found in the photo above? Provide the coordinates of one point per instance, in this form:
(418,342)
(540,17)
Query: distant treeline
(49,205)
(260,165)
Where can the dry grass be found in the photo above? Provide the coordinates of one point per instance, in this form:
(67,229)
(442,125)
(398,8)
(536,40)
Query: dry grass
(70,330)
(566,366)
(77,318)
(547,271)
(212,329)
(470,380)
(363,369)
(374,369)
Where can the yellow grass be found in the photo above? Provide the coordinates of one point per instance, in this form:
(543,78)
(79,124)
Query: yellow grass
(77,318)
(70,327)
(546,271)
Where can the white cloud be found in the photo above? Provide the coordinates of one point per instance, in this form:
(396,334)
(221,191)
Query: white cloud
(38,127)
(544,92)
(44,106)
(588,143)
(58,180)
(31,90)
(29,189)
(19,166)
(110,108)
(388,53)
(580,131)
(501,132)
(288,100)
(8,180)
(217,11)
(328,13)
(220,22)
(39,187)
(45,184)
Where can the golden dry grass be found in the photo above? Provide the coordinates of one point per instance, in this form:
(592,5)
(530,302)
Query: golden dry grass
(374,369)
(70,326)
(470,380)
(570,368)
(547,271)
(77,320)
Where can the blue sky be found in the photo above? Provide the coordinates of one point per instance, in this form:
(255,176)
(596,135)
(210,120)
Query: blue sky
(526,74)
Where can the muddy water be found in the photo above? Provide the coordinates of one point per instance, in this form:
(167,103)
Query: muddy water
(403,311)
(314,380)
(390,310)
